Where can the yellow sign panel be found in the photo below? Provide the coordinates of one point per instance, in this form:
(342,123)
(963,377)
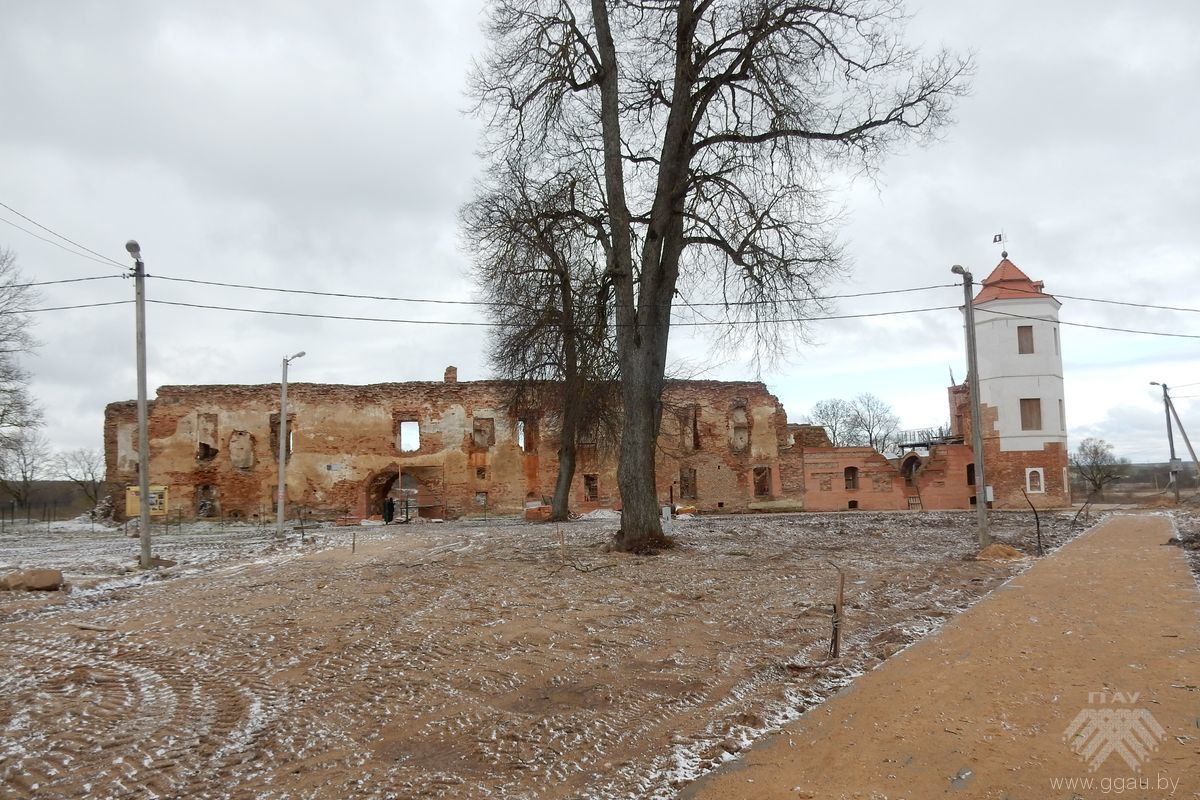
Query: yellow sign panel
(158,501)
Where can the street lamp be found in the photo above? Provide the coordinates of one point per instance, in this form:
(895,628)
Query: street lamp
(981,487)
(139,294)
(281,497)
(1174,466)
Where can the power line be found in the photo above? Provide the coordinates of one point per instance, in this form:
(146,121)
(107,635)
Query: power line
(1039,293)
(68,308)
(60,236)
(51,241)
(1095,327)
(500,304)
(473,324)
(64,280)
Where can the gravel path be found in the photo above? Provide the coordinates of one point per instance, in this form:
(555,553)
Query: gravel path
(1079,679)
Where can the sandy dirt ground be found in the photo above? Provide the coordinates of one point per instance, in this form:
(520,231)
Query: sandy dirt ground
(1077,680)
(457,660)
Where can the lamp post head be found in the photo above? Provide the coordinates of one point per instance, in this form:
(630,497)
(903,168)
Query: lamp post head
(1155,383)
(958,270)
(294,356)
(134,249)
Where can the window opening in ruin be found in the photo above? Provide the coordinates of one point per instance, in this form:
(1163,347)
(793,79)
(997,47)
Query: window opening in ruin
(1035,482)
(274,422)
(851,476)
(527,438)
(687,483)
(1031,414)
(409,436)
(740,437)
(206,500)
(691,428)
(762,481)
(591,487)
(206,437)
(481,499)
(484,431)
(852,505)
(970,474)
(586,436)
(1024,339)
(481,473)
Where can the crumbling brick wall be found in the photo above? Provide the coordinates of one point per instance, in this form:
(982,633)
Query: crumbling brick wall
(215,447)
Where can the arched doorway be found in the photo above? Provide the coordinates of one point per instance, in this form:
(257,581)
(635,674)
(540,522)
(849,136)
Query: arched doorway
(909,468)
(376,490)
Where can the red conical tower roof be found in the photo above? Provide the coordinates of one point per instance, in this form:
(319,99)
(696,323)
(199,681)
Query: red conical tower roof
(1007,282)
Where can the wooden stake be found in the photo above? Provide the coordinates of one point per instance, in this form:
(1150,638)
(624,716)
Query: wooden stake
(835,641)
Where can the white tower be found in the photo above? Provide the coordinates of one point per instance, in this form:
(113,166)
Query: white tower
(1021,389)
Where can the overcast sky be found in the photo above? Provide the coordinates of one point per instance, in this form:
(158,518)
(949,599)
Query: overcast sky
(323,145)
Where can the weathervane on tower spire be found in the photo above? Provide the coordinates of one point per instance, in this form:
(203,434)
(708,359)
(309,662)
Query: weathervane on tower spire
(1001,238)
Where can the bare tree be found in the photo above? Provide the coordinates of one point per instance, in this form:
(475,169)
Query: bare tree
(26,460)
(84,468)
(1095,462)
(543,270)
(873,423)
(705,127)
(18,411)
(836,416)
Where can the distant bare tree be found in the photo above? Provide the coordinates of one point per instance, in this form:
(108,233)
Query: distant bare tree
(873,423)
(836,416)
(18,411)
(84,468)
(543,270)
(701,131)
(1095,462)
(26,460)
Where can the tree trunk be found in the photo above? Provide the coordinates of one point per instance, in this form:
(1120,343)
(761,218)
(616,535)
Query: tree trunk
(561,505)
(641,526)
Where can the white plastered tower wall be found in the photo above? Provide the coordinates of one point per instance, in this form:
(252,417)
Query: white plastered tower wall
(1021,385)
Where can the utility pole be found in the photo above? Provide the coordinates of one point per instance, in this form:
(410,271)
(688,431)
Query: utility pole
(1183,432)
(281,496)
(139,290)
(981,487)
(1174,465)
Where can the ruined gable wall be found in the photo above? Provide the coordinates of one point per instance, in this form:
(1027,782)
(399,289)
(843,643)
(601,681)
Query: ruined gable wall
(942,478)
(741,426)
(880,485)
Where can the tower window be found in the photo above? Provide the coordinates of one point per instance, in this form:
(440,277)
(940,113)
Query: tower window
(1035,481)
(1031,413)
(1062,416)
(1024,339)
(591,487)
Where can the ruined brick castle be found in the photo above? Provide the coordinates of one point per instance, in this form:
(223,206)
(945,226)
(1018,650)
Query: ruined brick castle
(451,448)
